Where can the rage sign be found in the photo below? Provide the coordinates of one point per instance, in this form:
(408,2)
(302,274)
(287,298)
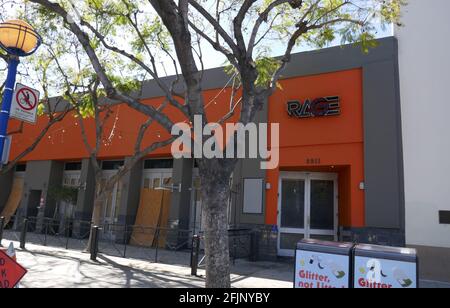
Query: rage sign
(319,107)
(10,272)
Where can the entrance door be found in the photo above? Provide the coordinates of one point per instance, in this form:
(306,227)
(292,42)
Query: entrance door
(308,208)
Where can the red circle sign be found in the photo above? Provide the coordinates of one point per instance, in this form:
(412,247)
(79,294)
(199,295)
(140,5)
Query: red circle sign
(26,99)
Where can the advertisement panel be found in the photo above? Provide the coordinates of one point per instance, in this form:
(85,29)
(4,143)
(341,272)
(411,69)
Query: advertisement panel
(384,274)
(323,265)
(379,267)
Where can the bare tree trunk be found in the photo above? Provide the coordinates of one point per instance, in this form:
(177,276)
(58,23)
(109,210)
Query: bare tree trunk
(97,212)
(215,197)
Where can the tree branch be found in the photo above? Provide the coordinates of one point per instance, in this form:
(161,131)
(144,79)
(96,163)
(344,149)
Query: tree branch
(238,20)
(216,25)
(36,142)
(262,18)
(111,91)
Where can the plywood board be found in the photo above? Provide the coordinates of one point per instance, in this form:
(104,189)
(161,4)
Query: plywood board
(14,199)
(147,218)
(164,218)
(153,212)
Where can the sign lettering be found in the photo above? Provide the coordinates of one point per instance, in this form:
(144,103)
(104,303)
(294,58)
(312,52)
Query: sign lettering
(319,107)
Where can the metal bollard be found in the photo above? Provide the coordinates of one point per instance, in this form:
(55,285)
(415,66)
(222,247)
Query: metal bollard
(23,234)
(157,245)
(2,226)
(195,254)
(94,243)
(125,242)
(67,234)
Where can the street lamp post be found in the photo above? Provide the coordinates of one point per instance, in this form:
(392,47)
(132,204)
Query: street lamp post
(18,39)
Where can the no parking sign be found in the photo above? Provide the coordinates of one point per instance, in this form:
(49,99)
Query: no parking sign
(25,104)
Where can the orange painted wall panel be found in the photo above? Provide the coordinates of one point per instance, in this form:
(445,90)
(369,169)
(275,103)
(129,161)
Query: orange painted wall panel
(326,144)
(64,141)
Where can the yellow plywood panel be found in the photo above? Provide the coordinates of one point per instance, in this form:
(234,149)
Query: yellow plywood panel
(164,218)
(153,214)
(147,217)
(14,199)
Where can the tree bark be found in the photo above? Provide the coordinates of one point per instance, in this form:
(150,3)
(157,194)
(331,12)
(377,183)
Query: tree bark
(97,213)
(216,193)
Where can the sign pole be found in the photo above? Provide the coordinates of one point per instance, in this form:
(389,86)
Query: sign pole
(7,99)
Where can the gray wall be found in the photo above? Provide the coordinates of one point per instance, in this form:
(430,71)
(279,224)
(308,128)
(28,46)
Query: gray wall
(40,175)
(383,146)
(131,190)
(85,201)
(181,202)
(248,169)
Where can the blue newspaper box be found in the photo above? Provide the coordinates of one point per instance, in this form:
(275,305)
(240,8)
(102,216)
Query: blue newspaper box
(380,267)
(323,265)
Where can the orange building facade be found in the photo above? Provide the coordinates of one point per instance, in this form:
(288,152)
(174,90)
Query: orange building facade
(339,176)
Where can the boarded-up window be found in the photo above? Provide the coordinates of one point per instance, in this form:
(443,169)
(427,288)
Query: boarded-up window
(253,196)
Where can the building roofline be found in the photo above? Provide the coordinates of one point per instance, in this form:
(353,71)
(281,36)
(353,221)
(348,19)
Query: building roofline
(307,63)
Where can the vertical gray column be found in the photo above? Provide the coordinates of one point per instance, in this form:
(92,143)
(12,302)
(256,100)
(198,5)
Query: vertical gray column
(86,194)
(248,169)
(85,200)
(181,202)
(55,180)
(39,177)
(6,181)
(385,204)
(131,192)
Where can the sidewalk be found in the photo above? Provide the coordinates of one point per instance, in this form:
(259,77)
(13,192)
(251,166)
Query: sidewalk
(50,267)
(59,268)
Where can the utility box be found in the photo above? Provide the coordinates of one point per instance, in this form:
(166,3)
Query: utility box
(320,264)
(379,267)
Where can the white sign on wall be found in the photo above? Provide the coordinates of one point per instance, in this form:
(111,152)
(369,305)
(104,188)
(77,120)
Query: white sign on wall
(25,104)
(253,196)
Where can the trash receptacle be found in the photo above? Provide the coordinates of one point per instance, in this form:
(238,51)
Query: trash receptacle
(380,267)
(320,264)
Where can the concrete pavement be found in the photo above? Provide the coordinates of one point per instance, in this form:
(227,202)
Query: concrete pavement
(59,268)
(50,267)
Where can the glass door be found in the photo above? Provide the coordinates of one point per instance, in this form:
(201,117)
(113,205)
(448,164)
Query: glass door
(323,206)
(307,209)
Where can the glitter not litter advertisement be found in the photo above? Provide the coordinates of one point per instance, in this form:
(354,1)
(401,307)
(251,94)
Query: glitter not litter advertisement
(316,270)
(373,273)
